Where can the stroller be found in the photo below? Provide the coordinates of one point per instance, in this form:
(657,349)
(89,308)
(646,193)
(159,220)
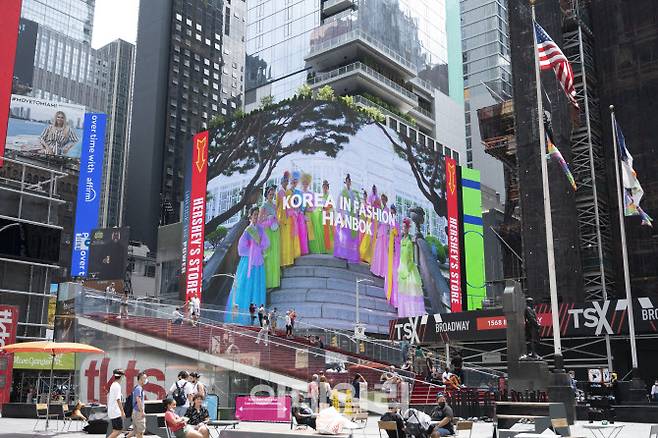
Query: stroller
(416,423)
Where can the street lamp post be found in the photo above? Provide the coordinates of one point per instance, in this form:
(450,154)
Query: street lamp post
(357,281)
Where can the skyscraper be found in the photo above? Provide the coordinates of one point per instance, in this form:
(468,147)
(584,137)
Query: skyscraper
(390,54)
(118,57)
(189,68)
(73,18)
(487,77)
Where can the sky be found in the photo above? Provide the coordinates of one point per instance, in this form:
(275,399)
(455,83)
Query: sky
(114,19)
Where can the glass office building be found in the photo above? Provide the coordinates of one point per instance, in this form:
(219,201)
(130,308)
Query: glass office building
(390,54)
(487,77)
(73,18)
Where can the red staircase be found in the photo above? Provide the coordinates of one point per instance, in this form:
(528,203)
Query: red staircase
(281,355)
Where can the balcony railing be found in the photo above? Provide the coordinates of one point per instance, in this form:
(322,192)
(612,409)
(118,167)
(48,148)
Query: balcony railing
(359,34)
(361,67)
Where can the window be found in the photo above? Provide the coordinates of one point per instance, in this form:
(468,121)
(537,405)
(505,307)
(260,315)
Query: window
(227,21)
(198,27)
(188,22)
(179,17)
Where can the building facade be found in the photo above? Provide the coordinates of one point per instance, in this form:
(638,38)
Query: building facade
(189,68)
(119,58)
(73,18)
(626,43)
(389,54)
(487,78)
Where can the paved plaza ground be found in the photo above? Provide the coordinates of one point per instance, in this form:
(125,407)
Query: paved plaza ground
(22,428)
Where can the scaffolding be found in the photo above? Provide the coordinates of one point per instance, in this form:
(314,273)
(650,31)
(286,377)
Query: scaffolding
(588,163)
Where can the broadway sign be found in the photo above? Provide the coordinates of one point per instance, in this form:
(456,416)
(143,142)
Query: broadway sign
(588,319)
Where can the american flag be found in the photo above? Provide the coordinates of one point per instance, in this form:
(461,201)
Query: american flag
(550,56)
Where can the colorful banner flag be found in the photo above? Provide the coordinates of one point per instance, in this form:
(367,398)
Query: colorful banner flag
(633,191)
(554,152)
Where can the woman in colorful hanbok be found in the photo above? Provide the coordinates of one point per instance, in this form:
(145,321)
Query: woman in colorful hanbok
(249,283)
(393,260)
(346,241)
(313,213)
(411,301)
(301,237)
(327,229)
(380,255)
(286,223)
(272,256)
(367,245)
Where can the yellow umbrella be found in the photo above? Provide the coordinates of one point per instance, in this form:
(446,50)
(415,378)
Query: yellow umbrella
(52,348)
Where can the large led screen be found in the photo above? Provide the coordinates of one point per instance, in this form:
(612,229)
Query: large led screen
(309,205)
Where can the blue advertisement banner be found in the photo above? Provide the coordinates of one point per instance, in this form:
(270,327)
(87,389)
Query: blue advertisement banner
(89,190)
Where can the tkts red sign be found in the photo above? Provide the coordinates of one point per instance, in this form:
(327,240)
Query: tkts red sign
(8,323)
(454,256)
(197,217)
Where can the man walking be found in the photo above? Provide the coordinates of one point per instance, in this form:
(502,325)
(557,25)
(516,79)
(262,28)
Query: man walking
(261,314)
(115,404)
(138,417)
(181,393)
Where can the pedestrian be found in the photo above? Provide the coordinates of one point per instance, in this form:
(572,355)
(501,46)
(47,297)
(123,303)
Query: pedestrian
(442,415)
(654,391)
(198,388)
(313,391)
(123,310)
(273,317)
(252,313)
(325,390)
(181,393)
(288,325)
(356,383)
(293,317)
(178,317)
(261,314)
(115,404)
(195,304)
(198,416)
(404,350)
(429,365)
(263,334)
(138,416)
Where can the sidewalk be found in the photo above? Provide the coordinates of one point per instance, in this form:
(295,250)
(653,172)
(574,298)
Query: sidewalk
(22,428)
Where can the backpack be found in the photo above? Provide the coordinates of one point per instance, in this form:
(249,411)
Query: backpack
(179,394)
(128,405)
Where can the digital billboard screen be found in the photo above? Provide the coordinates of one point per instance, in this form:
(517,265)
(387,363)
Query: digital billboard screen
(315,201)
(108,253)
(40,126)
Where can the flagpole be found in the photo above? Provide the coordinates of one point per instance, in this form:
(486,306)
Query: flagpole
(548,220)
(624,251)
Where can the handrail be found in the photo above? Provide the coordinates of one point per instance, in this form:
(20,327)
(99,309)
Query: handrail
(321,77)
(290,343)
